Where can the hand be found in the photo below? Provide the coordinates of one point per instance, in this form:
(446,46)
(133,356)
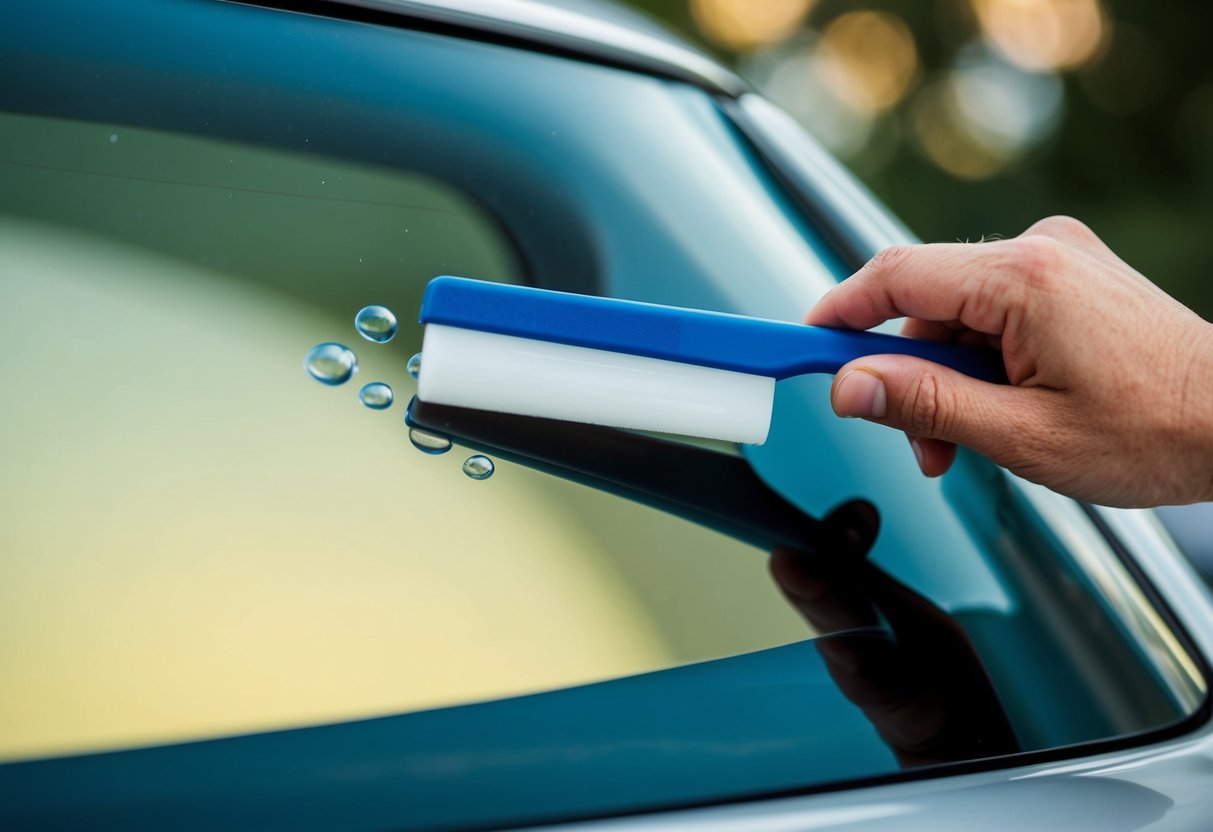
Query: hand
(1111,394)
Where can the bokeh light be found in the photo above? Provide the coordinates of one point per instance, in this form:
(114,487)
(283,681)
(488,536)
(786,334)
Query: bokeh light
(743,25)
(943,138)
(1012,110)
(842,82)
(868,59)
(1006,109)
(789,76)
(1043,34)
(983,115)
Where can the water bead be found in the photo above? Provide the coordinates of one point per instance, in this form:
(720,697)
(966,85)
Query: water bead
(478,467)
(376,323)
(331,363)
(376,395)
(414,366)
(429,443)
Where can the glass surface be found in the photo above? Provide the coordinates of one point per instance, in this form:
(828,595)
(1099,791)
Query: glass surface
(237,528)
(202,540)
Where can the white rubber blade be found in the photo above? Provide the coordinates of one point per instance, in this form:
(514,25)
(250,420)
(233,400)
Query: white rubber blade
(507,374)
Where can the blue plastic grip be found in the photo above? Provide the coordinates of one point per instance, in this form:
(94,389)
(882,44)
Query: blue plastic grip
(689,336)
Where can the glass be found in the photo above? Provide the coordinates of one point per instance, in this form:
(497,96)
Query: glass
(236,528)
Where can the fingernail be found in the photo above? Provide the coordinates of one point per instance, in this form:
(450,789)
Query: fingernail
(917,448)
(860,393)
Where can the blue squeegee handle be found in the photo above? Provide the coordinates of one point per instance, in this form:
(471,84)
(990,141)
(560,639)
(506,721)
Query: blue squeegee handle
(690,336)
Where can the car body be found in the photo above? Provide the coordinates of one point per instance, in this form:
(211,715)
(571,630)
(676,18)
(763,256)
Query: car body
(235,598)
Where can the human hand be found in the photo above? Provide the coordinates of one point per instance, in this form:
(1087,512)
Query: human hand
(1111,394)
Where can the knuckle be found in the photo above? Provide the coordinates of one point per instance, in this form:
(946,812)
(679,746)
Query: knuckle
(1039,260)
(1061,226)
(987,301)
(890,259)
(930,408)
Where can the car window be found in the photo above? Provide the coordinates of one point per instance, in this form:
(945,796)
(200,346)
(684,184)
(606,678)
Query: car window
(257,549)
(203,541)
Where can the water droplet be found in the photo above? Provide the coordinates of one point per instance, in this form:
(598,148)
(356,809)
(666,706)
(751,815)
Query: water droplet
(429,443)
(376,395)
(331,363)
(414,366)
(478,467)
(376,323)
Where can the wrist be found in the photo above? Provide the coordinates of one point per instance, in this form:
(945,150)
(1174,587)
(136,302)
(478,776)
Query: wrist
(1198,401)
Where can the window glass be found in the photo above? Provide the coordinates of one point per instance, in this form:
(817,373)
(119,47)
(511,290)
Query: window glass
(206,540)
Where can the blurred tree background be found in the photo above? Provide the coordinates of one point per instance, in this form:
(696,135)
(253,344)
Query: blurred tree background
(974,118)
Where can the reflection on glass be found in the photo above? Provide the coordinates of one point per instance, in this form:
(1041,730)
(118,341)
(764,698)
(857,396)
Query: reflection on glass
(904,662)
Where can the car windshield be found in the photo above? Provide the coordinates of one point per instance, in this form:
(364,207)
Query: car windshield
(204,542)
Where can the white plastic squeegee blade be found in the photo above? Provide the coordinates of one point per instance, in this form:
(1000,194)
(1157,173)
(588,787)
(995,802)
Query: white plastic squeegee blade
(503,373)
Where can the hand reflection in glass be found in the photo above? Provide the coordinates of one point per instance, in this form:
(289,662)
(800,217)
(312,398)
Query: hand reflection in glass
(897,656)
(903,661)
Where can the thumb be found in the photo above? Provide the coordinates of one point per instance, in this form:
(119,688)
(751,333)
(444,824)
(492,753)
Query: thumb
(923,399)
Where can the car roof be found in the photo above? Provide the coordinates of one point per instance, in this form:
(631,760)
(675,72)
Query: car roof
(588,29)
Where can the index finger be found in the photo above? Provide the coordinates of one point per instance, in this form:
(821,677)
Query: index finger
(973,284)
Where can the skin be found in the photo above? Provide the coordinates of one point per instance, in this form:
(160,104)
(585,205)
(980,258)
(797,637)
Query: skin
(1111,394)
